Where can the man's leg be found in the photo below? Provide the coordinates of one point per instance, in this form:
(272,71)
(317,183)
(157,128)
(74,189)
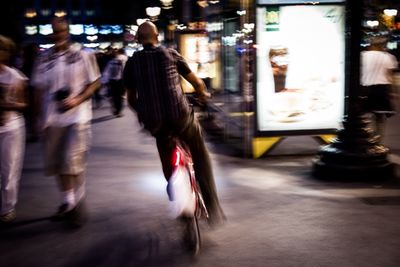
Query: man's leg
(165,149)
(66,185)
(72,188)
(192,135)
(119,87)
(74,148)
(73,209)
(115,97)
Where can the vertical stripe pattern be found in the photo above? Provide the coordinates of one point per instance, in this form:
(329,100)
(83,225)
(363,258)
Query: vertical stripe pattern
(154,73)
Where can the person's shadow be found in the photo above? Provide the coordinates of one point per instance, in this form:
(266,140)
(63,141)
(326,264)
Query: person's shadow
(103,118)
(22,223)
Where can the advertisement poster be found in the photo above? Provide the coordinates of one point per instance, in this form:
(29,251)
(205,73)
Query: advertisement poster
(195,48)
(300,67)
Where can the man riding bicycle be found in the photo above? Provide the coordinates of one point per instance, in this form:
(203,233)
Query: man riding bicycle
(152,80)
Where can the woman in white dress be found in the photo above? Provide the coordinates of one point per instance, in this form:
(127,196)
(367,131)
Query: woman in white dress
(12,130)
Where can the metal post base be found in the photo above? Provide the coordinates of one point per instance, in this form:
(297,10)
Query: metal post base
(355,155)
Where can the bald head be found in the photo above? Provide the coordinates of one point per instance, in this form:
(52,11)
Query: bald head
(147,33)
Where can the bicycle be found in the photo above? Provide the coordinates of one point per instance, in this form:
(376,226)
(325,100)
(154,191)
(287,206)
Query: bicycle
(183,190)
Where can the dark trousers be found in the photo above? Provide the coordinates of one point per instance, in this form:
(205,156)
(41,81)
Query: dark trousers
(117,91)
(190,133)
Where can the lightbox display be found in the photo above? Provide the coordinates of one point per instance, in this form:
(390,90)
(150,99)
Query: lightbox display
(300,67)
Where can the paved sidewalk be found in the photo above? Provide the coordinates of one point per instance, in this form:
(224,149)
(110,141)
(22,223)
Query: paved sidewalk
(278,215)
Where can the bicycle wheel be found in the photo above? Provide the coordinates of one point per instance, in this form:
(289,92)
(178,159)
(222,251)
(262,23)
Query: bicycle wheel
(192,237)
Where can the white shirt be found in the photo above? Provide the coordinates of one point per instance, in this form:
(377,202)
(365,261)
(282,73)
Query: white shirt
(10,77)
(73,69)
(375,67)
(114,68)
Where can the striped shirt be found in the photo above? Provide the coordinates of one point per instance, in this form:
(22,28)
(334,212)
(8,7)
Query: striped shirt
(154,74)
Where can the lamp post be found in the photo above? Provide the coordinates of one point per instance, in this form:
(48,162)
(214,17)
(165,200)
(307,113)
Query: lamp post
(355,154)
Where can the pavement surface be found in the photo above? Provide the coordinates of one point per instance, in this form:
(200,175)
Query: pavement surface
(278,215)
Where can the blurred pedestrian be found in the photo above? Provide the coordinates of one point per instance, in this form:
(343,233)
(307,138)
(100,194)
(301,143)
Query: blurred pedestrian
(66,78)
(29,55)
(102,59)
(12,130)
(155,93)
(377,69)
(112,77)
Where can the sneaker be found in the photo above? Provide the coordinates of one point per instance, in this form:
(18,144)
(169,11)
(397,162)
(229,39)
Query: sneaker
(62,211)
(8,217)
(78,216)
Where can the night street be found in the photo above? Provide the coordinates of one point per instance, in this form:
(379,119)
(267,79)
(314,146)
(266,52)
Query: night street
(283,78)
(277,214)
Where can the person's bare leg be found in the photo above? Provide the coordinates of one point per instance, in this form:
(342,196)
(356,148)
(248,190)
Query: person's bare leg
(66,184)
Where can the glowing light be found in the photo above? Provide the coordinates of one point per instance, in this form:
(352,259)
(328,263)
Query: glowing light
(45,29)
(249,26)
(241,12)
(166,4)
(181,27)
(91,29)
(390,12)
(60,13)
(104,45)
(46,46)
(153,11)
(202,3)
(92,38)
(91,45)
(372,23)
(30,13)
(31,30)
(76,29)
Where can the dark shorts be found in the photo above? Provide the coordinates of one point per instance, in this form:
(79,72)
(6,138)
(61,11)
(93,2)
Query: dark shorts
(378,99)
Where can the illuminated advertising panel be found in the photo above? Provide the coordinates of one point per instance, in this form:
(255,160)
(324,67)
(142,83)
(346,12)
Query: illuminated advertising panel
(195,48)
(300,68)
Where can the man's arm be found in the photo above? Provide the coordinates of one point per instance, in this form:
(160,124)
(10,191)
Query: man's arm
(131,97)
(185,71)
(129,83)
(199,86)
(72,102)
(93,78)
